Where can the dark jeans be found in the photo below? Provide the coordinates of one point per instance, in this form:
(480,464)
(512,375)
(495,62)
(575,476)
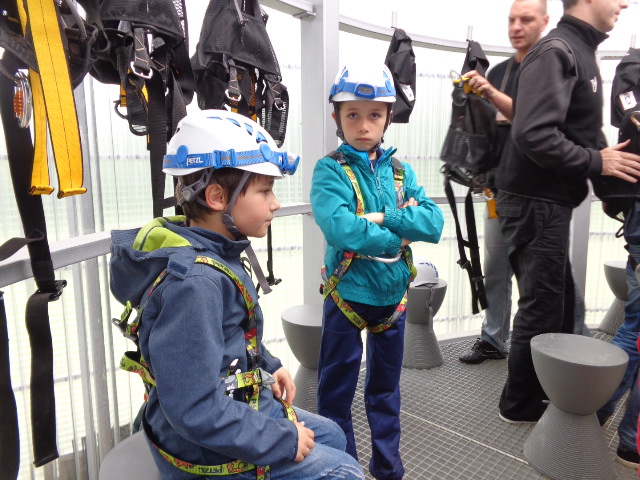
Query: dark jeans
(538,236)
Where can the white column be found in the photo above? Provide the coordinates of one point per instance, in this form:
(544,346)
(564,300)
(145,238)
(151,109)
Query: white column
(319,36)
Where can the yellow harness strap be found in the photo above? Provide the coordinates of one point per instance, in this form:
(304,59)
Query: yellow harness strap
(53,100)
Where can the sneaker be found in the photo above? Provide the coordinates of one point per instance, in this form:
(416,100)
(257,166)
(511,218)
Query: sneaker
(481,351)
(515,422)
(629,458)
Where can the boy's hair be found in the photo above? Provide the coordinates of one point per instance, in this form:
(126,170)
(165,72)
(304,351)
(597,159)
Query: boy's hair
(227,178)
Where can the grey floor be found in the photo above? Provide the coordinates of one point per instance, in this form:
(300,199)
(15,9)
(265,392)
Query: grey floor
(450,424)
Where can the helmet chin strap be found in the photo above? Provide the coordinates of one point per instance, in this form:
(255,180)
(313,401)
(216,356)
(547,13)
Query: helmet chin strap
(228,221)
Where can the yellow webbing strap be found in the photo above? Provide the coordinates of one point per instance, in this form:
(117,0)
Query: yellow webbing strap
(40,173)
(55,91)
(230,468)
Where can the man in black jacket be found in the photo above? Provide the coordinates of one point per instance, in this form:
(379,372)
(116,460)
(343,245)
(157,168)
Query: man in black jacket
(557,145)
(527,20)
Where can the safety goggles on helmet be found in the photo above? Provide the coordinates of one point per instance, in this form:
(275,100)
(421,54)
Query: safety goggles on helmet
(367,82)
(221,139)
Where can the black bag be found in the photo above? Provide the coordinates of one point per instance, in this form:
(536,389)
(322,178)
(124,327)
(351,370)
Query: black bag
(402,63)
(470,147)
(235,66)
(616,194)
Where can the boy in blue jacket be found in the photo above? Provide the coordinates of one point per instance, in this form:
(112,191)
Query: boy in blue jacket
(215,399)
(369,208)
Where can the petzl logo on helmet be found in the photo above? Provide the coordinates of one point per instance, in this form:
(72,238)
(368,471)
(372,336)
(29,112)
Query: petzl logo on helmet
(194,161)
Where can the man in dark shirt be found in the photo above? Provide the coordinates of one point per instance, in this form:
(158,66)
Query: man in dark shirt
(557,145)
(527,20)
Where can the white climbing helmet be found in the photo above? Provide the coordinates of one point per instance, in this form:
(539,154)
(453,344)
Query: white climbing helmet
(222,139)
(427,274)
(363,82)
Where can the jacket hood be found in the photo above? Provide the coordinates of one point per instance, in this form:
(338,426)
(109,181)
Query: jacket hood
(138,256)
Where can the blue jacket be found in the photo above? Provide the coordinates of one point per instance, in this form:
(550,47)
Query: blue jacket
(334,205)
(190,332)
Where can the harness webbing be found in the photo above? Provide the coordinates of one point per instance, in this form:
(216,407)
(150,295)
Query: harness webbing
(10,438)
(473,266)
(329,287)
(53,88)
(252,379)
(20,154)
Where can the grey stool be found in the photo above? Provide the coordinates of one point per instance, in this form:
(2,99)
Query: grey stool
(421,349)
(616,274)
(131,458)
(578,374)
(302,327)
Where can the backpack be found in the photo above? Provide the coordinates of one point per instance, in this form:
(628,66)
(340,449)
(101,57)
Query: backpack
(470,145)
(236,67)
(402,63)
(616,194)
(470,151)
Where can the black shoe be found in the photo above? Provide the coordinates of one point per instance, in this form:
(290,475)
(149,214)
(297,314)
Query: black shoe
(481,351)
(630,458)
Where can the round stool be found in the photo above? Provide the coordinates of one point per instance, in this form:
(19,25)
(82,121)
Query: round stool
(131,458)
(578,374)
(421,349)
(616,274)
(302,327)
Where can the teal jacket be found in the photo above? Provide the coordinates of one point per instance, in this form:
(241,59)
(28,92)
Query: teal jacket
(334,205)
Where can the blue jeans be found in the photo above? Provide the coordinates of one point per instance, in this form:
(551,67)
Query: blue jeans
(327,460)
(626,338)
(497,284)
(338,369)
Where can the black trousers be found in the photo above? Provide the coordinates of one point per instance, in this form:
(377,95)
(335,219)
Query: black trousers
(538,236)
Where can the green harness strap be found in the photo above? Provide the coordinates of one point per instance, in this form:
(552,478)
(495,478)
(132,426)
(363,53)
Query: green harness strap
(252,379)
(329,287)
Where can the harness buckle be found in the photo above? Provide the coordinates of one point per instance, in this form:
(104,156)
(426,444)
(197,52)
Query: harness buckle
(464,264)
(139,73)
(58,286)
(266,378)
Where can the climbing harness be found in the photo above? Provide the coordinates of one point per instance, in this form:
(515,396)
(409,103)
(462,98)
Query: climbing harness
(331,282)
(149,59)
(402,64)
(469,152)
(252,380)
(236,67)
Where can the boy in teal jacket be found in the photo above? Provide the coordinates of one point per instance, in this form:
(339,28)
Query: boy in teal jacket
(369,208)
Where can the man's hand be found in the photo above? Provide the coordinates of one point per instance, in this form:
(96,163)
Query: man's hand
(485,89)
(480,84)
(284,387)
(624,165)
(305,441)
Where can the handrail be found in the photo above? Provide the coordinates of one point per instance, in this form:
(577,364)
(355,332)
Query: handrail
(78,249)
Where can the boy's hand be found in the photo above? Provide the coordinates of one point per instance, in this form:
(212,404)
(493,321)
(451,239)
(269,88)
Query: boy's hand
(410,203)
(305,441)
(284,387)
(378,217)
(374,217)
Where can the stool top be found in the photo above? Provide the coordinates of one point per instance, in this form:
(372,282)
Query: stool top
(579,349)
(441,284)
(308,315)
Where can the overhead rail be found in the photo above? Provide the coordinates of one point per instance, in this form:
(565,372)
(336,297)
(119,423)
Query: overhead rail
(369,30)
(295,8)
